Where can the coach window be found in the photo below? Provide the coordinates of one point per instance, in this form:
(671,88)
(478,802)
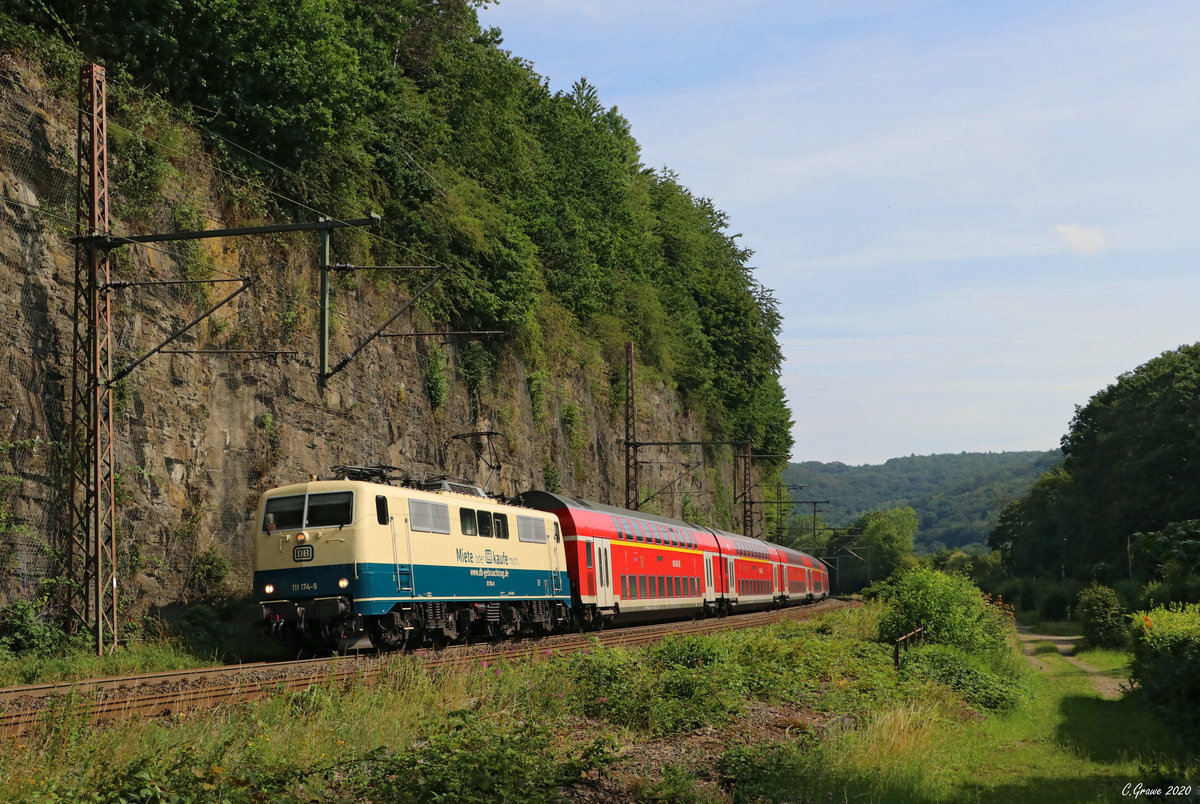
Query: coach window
(381,511)
(662,586)
(466,519)
(642,586)
(658,539)
(500,523)
(625,587)
(588,551)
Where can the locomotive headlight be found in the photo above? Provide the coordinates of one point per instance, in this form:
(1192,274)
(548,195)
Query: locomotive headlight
(269,589)
(343,584)
(301,536)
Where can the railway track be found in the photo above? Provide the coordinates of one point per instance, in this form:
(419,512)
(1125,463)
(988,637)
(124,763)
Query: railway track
(25,708)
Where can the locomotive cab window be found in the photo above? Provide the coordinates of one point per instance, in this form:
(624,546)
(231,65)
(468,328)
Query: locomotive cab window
(466,520)
(381,510)
(485,524)
(283,513)
(330,510)
(500,521)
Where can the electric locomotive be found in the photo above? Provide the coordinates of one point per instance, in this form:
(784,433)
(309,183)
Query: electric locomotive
(343,561)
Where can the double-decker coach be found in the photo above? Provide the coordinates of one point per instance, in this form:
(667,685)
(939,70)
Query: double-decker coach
(629,566)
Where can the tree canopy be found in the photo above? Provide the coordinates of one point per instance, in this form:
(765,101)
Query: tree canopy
(1130,465)
(412,108)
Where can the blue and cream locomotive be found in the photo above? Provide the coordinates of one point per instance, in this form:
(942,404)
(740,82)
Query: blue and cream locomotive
(341,561)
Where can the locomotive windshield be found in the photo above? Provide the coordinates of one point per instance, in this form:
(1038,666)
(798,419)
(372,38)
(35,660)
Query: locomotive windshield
(332,509)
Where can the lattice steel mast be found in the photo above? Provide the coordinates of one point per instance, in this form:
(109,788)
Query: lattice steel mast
(91,563)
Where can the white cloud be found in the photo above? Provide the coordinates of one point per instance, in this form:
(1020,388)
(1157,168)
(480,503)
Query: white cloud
(1086,241)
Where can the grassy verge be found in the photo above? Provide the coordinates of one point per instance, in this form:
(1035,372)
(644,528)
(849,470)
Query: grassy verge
(795,712)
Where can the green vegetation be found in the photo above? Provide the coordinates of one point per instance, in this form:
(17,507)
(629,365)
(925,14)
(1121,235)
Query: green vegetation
(1100,613)
(957,498)
(536,202)
(796,711)
(1119,504)
(1166,663)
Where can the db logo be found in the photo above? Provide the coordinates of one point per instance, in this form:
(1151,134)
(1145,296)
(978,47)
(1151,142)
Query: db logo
(302,552)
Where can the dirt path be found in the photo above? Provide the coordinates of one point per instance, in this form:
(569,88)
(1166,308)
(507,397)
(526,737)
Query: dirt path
(1108,688)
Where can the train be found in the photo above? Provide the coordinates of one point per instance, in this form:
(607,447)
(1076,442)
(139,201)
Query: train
(368,558)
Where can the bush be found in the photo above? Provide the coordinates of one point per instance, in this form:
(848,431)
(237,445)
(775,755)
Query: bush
(768,772)
(490,760)
(662,692)
(963,673)
(1166,663)
(22,630)
(950,608)
(1099,611)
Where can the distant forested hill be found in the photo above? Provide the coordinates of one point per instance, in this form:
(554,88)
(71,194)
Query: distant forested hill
(957,497)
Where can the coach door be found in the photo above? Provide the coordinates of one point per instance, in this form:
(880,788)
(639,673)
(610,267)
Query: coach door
(604,589)
(556,552)
(709,592)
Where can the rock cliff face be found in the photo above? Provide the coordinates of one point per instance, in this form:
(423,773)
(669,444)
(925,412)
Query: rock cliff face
(200,436)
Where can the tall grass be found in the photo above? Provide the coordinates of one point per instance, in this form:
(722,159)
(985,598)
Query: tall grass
(525,732)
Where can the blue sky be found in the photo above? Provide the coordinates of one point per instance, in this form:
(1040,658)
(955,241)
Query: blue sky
(975,215)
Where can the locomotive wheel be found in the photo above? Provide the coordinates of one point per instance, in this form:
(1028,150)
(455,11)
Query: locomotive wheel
(510,621)
(386,633)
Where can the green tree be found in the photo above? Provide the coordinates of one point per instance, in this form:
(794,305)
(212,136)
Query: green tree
(535,201)
(884,545)
(1129,466)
